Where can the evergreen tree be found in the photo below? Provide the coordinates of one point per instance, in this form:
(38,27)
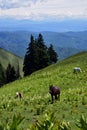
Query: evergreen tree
(38,55)
(30,59)
(18,71)
(2,76)
(42,53)
(10,74)
(53,55)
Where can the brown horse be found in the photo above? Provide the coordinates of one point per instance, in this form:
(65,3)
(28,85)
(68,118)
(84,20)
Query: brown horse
(54,91)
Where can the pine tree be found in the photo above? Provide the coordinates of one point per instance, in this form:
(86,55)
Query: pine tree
(2,76)
(42,52)
(36,56)
(53,55)
(30,59)
(10,74)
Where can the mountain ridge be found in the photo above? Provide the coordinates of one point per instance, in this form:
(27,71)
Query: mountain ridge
(65,44)
(64,25)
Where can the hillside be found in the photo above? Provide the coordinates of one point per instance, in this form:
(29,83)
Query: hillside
(35,88)
(66,44)
(6,57)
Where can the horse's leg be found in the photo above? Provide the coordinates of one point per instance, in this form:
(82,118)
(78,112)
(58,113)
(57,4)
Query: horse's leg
(52,97)
(56,97)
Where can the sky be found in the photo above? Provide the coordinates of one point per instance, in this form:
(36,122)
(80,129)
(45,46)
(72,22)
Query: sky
(43,10)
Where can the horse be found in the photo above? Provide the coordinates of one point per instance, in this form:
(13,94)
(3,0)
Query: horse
(77,69)
(54,91)
(19,95)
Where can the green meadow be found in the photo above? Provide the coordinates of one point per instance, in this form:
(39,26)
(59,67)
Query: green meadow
(36,100)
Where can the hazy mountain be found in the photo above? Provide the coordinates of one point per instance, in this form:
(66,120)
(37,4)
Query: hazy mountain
(65,44)
(64,25)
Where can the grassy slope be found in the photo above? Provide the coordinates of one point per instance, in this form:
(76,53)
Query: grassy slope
(7,57)
(73,101)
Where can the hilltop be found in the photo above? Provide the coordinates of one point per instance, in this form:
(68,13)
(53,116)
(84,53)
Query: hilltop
(35,89)
(7,57)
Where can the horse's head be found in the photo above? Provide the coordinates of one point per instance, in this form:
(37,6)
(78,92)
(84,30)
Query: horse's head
(50,88)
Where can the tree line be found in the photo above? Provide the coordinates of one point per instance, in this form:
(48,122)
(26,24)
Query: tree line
(8,75)
(37,56)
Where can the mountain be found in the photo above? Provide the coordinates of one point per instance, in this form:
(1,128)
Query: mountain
(36,104)
(6,57)
(63,25)
(66,44)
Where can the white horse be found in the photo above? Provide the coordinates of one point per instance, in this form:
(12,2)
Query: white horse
(19,95)
(77,69)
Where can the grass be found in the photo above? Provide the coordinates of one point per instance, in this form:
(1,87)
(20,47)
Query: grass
(35,89)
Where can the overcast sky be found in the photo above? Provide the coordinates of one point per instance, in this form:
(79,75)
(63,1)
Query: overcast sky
(43,9)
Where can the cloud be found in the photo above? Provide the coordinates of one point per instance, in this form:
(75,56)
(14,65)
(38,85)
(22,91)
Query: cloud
(43,9)
(7,4)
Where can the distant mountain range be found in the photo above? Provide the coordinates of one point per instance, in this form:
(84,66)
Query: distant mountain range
(66,44)
(64,25)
